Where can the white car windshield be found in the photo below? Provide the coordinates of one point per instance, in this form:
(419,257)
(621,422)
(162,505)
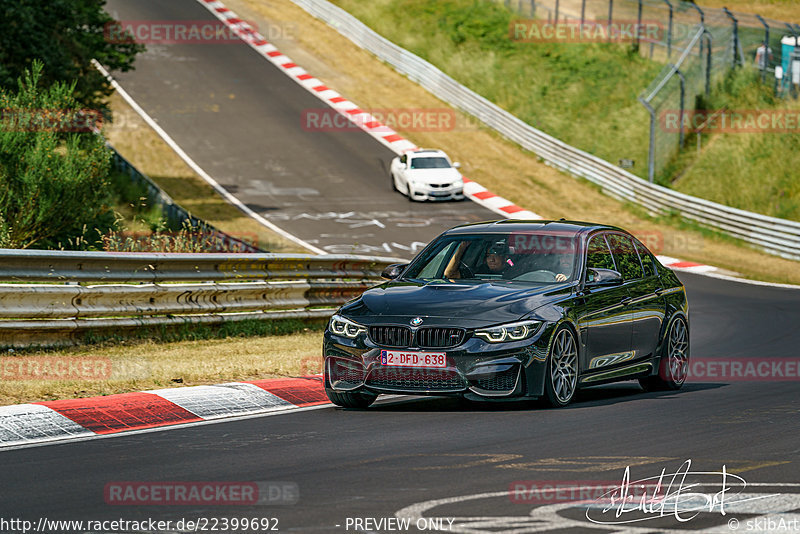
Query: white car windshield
(430,163)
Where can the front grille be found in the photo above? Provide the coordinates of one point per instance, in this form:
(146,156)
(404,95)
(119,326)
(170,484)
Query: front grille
(504,381)
(440,186)
(415,379)
(390,336)
(345,374)
(439,338)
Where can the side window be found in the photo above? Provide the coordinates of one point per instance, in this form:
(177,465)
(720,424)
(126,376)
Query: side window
(647,259)
(436,264)
(626,257)
(597,254)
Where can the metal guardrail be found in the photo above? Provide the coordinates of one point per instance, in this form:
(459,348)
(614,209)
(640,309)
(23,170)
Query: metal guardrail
(776,236)
(131,290)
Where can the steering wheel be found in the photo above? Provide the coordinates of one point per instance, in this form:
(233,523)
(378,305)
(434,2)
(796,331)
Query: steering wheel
(465,271)
(536,276)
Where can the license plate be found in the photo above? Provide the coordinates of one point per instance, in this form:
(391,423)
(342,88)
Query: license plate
(414,359)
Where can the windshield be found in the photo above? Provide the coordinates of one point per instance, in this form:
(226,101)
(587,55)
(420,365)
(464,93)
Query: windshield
(430,163)
(520,257)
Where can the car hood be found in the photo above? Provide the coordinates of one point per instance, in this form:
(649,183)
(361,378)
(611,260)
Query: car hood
(469,304)
(435,176)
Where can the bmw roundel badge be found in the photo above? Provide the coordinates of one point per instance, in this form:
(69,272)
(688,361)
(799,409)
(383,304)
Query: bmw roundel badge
(416,321)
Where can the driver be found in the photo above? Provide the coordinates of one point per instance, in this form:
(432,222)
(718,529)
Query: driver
(563,267)
(496,259)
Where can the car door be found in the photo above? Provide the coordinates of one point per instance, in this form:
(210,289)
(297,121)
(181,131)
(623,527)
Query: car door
(645,303)
(648,306)
(605,320)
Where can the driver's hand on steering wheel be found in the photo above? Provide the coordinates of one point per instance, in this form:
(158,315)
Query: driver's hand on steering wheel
(561,277)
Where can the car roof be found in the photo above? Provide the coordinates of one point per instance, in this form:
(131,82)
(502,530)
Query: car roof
(426,152)
(520,225)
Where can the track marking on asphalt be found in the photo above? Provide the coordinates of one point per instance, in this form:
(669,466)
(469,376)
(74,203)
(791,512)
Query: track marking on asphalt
(546,518)
(587,464)
(754,465)
(199,170)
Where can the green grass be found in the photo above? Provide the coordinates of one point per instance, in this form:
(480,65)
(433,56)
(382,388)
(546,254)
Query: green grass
(752,171)
(571,91)
(132,207)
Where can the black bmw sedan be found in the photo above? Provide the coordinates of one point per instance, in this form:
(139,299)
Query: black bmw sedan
(509,310)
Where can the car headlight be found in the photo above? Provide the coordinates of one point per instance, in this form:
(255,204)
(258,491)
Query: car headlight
(509,332)
(345,327)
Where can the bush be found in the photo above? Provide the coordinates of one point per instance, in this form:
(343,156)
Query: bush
(54,190)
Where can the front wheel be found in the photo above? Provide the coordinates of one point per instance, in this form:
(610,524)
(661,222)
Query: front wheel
(674,364)
(561,378)
(351,399)
(394,182)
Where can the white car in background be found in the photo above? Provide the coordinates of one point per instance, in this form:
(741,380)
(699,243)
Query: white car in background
(427,175)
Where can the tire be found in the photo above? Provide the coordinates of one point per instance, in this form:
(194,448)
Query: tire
(561,376)
(351,399)
(674,363)
(408,193)
(394,183)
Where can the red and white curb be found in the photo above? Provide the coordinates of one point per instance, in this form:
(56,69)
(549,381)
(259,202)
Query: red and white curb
(51,421)
(688,266)
(350,110)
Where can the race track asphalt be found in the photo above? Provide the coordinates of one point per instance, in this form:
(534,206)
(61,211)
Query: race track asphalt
(241,119)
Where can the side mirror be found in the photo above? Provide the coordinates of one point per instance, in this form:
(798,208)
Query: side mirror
(393,271)
(456,165)
(602,277)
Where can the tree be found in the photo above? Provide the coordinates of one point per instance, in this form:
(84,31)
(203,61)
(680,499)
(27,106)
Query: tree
(54,189)
(65,35)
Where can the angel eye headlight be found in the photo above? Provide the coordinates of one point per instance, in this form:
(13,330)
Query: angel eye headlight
(509,332)
(345,327)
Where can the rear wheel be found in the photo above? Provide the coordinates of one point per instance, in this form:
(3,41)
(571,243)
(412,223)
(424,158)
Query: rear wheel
(674,364)
(351,399)
(561,378)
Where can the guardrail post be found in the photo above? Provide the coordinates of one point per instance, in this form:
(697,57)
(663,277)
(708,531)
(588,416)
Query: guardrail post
(651,156)
(669,30)
(557,6)
(533,8)
(735,36)
(710,37)
(765,57)
(583,11)
(702,23)
(683,104)
(638,24)
(610,15)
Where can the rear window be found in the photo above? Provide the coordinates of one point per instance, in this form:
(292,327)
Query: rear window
(647,259)
(625,257)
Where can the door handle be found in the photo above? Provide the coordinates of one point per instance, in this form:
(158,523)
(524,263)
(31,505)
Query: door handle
(626,301)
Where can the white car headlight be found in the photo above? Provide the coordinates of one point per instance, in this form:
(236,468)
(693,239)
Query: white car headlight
(345,327)
(509,332)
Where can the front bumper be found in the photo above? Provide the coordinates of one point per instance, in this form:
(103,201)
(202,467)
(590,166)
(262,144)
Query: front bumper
(475,369)
(423,192)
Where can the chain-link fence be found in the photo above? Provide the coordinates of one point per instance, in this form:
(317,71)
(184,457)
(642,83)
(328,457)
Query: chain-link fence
(697,46)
